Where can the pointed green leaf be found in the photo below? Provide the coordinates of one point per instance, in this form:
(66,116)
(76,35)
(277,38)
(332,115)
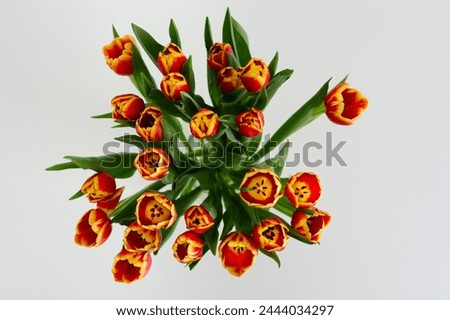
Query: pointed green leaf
(188,72)
(213,88)
(227,224)
(167,106)
(103,116)
(343,80)
(232,61)
(241,42)
(208,35)
(173,32)
(114,32)
(275,83)
(150,45)
(123,124)
(62,166)
(141,77)
(77,195)
(273,65)
(134,140)
(212,238)
(228,34)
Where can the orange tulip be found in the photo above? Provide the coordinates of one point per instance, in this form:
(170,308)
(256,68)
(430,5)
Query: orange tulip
(93,229)
(155,211)
(188,247)
(127,106)
(218,55)
(311,226)
(129,267)
(138,238)
(271,234)
(344,104)
(261,188)
(110,203)
(118,55)
(303,189)
(173,84)
(229,79)
(255,76)
(237,252)
(171,59)
(152,163)
(99,187)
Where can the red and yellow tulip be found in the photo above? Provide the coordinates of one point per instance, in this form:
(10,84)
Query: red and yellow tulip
(310,226)
(198,219)
(218,55)
(149,125)
(152,163)
(171,59)
(129,266)
(99,187)
(93,229)
(173,84)
(118,55)
(229,79)
(271,234)
(344,104)
(138,238)
(188,247)
(155,211)
(255,76)
(250,123)
(303,189)
(110,203)
(127,106)
(261,188)
(237,252)
(204,124)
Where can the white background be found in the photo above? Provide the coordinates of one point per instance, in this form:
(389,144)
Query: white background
(389,237)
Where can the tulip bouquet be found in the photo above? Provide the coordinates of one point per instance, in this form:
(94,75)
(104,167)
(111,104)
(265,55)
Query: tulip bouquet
(222,180)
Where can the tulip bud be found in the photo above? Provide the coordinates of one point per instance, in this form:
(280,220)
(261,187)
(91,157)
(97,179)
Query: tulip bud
(171,59)
(250,123)
(127,106)
(188,247)
(155,211)
(149,125)
(173,84)
(237,252)
(344,104)
(99,187)
(205,123)
(255,76)
(218,58)
(109,204)
(198,219)
(118,55)
(271,234)
(152,163)
(129,267)
(303,189)
(93,229)
(261,188)
(138,238)
(311,226)
(228,80)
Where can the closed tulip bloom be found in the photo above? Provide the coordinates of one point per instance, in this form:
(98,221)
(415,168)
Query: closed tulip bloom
(311,226)
(204,124)
(127,106)
(198,219)
(218,55)
(118,55)
(271,234)
(188,247)
(149,125)
(261,188)
(250,123)
(138,238)
(152,163)
(173,84)
(229,79)
(303,189)
(255,76)
(344,104)
(109,204)
(155,211)
(171,59)
(129,266)
(93,229)
(99,187)
(237,252)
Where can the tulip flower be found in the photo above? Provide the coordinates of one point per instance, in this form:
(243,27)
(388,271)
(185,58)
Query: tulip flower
(129,266)
(118,55)
(149,125)
(155,211)
(255,76)
(205,123)
(310,226)
(228,79)
(261,188)
(250,123)
(152,163)
(198,219)
(173,84)
(237,252)
(110,203)
(218,58)
(138,238)
(271,234)
(99,187)
(344,104)
(127,106)
(171,59)
(93,229)
(188,247)
(303,189)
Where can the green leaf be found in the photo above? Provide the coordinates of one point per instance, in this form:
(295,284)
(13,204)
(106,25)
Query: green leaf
(228,33)
(242,43)
(167,106)
(272,255)
(119,165)
(141,77)
(173,32)
(275,83)
(213,88)
(343,80)
(134,140)
(62,166)
(124,124)
(114,32)
(77,195)
(212,238)
(273,64)
(208,35)
(188,72)
(227,224)
(103,116)
(304,115)
(150,45)
(232,61)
